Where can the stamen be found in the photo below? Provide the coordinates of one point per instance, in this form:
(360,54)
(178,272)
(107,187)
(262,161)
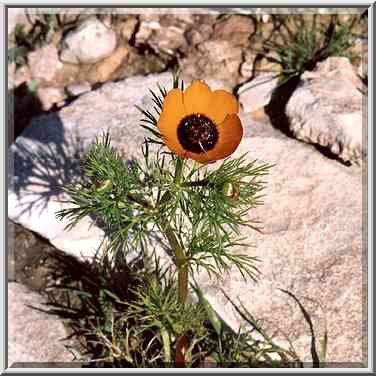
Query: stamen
(203,149)
(197,133)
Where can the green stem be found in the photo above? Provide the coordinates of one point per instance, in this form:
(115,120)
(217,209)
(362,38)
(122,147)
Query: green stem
(199,183)
(180,262)
(179,252)
(140,201)
(180,257)
(166,344)
(179,170)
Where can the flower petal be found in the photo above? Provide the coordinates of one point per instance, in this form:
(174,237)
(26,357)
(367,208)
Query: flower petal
(222,103)
(197,98)
(172,114)
(230,134)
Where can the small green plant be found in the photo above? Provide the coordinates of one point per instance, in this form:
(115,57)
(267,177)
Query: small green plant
(196,209)
(18,53)
(199,211)
(300,44)
(43,28)
(129,315)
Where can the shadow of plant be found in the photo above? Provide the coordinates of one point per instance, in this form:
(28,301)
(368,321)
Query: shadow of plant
(107,308)
(94,296)
(41,162)
(23,105)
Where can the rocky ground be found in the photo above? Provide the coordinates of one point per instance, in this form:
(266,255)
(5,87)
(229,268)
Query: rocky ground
(70,92)
(230,48)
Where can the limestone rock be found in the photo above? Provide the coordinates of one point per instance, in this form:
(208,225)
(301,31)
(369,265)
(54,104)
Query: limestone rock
(34,336)
(246,67)
(312,217)
(89,43)
(326,109)
(78,89)
(35,188)
(257,92)
(128,28)
(30,258)
(11,75)
(21,75)
(311,246)
(44,63)
(205,47)
(48,96)
(236,29)
(102,71)
(164,34)
(201,30)
(215,59)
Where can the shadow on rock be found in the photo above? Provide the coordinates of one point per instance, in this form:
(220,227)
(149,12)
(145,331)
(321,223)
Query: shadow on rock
(23,105)
(42,162)
(276,109)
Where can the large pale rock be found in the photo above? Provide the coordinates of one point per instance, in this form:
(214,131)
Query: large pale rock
(89,43)
(311,245)
(312,241)
(326,109)
(33,336)
(46,157)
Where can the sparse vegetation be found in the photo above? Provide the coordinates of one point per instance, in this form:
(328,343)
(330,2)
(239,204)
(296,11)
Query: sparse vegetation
(303,41)
(129,316)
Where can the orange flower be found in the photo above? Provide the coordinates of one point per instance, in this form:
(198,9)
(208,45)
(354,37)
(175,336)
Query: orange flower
(200,124)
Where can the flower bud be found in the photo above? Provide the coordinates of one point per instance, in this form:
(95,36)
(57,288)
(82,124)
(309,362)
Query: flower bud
(104,186)
(231,190)
(121,205)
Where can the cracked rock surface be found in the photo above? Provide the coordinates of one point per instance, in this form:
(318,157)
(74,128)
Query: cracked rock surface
(327,109)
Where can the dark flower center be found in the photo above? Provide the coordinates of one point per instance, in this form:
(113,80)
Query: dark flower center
(197,133)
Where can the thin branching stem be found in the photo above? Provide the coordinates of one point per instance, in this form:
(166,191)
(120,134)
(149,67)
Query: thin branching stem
(199,183)
(140,201)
